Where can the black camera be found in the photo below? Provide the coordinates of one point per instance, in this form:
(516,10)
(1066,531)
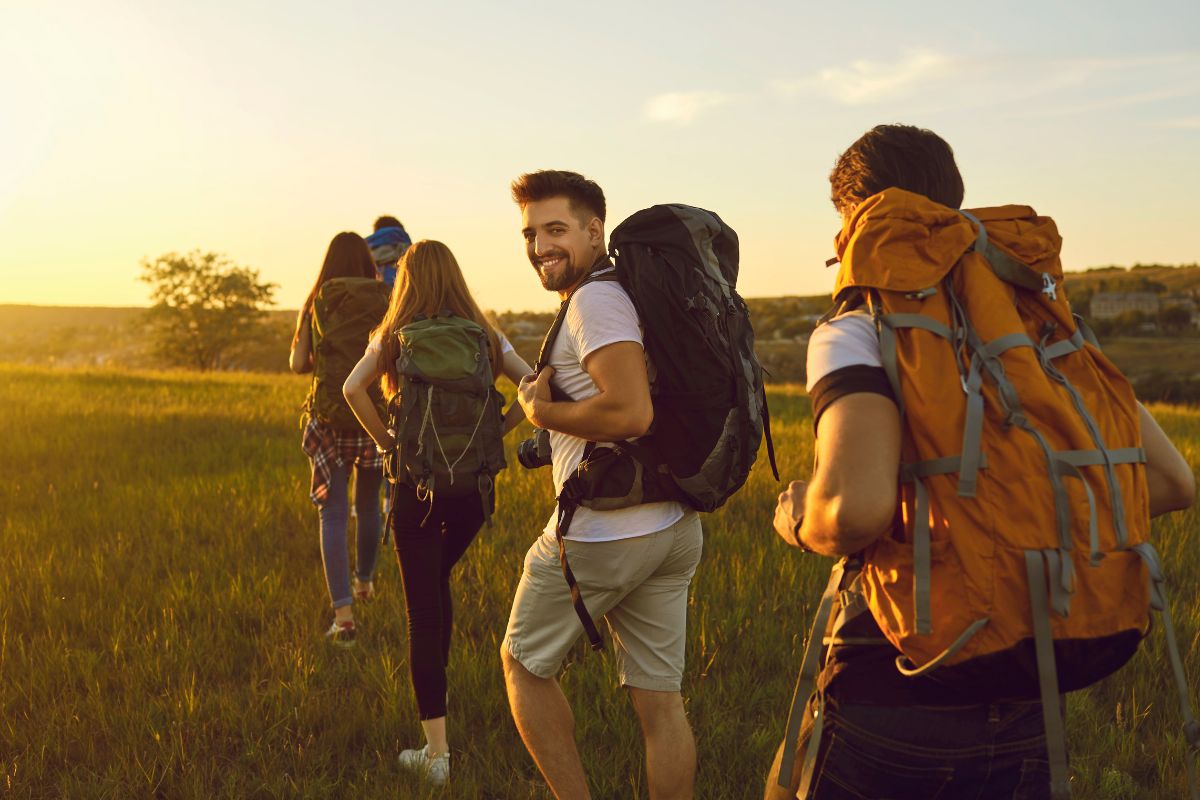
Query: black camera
(535,452)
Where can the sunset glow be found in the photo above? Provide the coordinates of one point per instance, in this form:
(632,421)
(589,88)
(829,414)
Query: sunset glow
(261,130)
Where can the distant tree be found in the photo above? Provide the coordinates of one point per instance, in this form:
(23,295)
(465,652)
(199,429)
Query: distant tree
(1175,319)
(205,307)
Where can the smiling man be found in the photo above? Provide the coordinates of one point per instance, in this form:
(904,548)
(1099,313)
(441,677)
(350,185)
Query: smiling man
(633,565)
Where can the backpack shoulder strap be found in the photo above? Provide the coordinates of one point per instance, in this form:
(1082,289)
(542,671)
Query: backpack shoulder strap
(561,315)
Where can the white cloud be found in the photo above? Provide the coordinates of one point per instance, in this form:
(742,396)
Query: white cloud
(865,82)
(1183,123)
(682,108)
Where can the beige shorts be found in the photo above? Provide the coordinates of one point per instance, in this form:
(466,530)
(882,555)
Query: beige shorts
(640,587)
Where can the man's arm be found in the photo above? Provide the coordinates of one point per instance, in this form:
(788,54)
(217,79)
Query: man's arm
(851,500)
(621,409)
(1169,478)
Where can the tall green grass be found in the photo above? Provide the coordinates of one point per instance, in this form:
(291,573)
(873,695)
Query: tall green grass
(162,604)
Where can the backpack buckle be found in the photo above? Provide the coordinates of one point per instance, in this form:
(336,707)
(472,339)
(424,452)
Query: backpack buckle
(1048,287)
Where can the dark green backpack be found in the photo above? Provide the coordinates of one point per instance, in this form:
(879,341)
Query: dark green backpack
(447,414)
(345,311)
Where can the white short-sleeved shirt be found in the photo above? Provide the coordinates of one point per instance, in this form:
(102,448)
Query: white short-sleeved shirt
(844,358)
(600,314)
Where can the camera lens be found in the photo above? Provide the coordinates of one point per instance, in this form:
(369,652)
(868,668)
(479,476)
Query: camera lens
(535,452)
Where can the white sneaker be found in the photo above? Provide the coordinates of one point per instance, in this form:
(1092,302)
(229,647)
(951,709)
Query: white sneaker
(436,769)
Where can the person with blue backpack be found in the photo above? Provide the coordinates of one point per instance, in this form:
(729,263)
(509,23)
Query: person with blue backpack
(388,243)
(438,356)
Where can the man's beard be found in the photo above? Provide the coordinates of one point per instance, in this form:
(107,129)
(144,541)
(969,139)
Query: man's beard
(565,278)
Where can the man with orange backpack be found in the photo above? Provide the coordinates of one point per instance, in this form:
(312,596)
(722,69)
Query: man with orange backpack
(987,478)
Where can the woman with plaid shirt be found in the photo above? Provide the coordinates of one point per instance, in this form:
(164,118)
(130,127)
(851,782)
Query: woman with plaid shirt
(334,451)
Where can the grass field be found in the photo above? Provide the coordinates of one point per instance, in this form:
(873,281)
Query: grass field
(161,610)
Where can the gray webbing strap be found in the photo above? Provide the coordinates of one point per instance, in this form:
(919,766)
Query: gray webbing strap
(1089,335)
(855,641)
(972,441)
(1062,501)
(1070,471)
(922,553)
(807,680)
(1066,346)
(922,562)
(1006,267)
(1061,570)
(809,767)
(1089,422)
(1015,415)
(934,466)
(1056,741)
(1159,601)
(917,321)
(985,356)
(1005,343)
(1096,458)
(907,669)
(890,361)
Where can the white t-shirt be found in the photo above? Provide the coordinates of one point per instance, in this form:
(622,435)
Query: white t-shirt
(600,314)
(846,341)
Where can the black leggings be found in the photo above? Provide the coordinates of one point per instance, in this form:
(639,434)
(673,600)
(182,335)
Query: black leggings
(429,542)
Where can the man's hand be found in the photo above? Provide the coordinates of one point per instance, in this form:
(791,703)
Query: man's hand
(789,512)
(534,390)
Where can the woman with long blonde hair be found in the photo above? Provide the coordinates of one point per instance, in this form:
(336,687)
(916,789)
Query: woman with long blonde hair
(430,533)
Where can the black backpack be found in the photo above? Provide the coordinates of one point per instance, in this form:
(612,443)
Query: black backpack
(679,265)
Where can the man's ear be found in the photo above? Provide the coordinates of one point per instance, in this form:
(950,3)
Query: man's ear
(595,229)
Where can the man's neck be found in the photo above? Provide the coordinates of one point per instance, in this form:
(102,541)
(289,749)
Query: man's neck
(601,257)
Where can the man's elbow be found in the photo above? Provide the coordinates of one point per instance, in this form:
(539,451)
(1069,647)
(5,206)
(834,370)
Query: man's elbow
(850,527)
(635,423)
(1183,491)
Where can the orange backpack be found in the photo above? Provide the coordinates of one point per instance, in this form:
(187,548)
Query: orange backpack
(1021,551)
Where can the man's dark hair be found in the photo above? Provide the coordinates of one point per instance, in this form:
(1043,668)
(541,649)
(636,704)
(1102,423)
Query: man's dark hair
(901,156)
(585,196)
(387,222)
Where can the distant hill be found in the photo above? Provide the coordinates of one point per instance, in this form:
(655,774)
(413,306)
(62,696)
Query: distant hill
(1138,278)
(85,336)
(81,336)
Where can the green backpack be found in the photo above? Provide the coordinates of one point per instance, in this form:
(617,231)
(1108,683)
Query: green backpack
(344,313)
(447,414)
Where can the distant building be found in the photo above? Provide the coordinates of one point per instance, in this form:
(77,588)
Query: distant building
(1110,305)
(1179,299)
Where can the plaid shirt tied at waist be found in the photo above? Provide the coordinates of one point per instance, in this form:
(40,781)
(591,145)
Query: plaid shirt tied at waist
(327,448)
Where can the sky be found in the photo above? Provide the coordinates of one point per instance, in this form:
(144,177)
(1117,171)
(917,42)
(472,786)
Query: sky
(259,130)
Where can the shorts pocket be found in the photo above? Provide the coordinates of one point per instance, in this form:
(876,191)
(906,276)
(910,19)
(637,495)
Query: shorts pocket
(870,772)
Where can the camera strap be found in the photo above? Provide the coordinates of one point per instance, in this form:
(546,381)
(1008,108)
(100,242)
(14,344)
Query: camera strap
(566,512)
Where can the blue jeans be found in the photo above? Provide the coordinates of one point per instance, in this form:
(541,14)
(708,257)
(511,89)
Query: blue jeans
(986,752)
(334,522)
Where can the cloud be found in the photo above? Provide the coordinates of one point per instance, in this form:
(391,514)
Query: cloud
(1183,123)
(682,108)
(866,82)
